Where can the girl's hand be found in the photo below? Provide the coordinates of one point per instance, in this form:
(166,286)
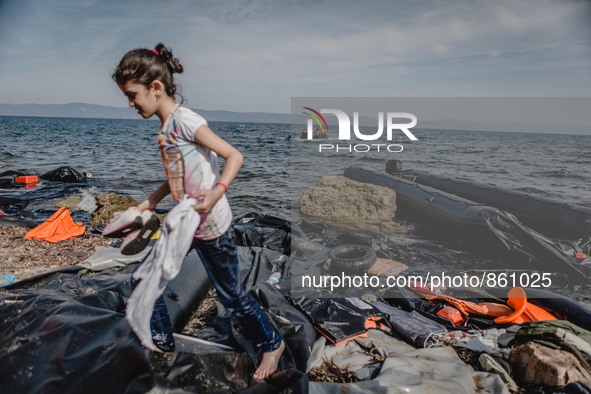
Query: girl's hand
(206,199)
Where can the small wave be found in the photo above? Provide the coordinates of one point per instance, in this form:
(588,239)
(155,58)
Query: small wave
(562,174)
(533,191)
(88,202)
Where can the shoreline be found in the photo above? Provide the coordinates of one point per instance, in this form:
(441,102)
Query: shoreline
(25,258)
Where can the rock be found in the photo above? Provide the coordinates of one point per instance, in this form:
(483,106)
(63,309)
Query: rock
(341,199)
(109,203)
(538,364)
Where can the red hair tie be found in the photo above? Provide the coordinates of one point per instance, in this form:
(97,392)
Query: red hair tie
(155,52)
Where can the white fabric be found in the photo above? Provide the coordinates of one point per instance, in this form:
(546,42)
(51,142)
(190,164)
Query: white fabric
(107,257)
(161,265)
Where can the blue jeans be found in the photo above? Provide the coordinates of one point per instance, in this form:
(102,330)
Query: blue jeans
(220,260)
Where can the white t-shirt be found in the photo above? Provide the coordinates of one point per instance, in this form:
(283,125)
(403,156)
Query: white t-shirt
(191,167)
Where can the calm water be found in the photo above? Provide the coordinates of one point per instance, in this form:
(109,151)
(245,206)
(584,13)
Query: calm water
(122,156)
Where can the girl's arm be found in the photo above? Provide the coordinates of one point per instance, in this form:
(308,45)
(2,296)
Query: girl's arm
(205,137)
(155,197)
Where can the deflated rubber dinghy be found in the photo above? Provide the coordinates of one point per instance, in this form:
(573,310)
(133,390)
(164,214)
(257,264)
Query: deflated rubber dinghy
(478,228)
(548,216)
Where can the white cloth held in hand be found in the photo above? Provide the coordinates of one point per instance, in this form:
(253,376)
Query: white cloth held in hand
(161,265)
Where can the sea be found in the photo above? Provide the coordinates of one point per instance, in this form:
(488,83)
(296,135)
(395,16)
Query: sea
(123,157)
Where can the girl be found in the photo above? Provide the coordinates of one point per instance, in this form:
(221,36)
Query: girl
(189,150)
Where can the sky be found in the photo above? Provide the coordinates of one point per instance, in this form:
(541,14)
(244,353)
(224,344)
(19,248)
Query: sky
(254,56)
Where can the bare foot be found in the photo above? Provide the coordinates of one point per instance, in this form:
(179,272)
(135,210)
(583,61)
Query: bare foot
(269,363)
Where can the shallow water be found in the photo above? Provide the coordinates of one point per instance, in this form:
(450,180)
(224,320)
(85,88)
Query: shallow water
(122,156)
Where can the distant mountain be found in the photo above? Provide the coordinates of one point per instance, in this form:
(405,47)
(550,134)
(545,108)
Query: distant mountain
(82,110)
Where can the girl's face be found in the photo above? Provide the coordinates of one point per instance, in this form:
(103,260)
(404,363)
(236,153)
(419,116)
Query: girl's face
(143,98)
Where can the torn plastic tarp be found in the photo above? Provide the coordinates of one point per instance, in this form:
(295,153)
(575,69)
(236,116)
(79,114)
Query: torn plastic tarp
(210,369)
(216,371)
(340,319)
(64,174)
(255,229)
(294,327)
(57,184)
(292,324)
(66,331)
(257,264)
(264,247)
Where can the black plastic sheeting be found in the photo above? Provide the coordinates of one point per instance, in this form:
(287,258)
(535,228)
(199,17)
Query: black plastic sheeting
(475,227)
(266,231)
(294,327)
(338,319)
(67,333)
(58,183)
(64,174)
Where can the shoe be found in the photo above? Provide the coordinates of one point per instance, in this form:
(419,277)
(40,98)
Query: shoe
(164,342)
(137,240)
(124,223)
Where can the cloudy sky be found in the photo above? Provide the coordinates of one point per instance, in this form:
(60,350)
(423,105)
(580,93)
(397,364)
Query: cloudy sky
(256,55)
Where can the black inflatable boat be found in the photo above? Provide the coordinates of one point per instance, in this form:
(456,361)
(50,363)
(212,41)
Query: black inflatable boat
(545,215)
(478,228)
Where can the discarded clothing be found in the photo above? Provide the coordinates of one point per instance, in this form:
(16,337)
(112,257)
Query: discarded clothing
(478,341)
(161,265)
(489,364)
(412,326)
(106,257)
(58,227)
(437,370)
(545,328)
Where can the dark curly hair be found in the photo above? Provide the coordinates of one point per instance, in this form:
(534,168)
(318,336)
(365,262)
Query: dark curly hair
(144,66)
